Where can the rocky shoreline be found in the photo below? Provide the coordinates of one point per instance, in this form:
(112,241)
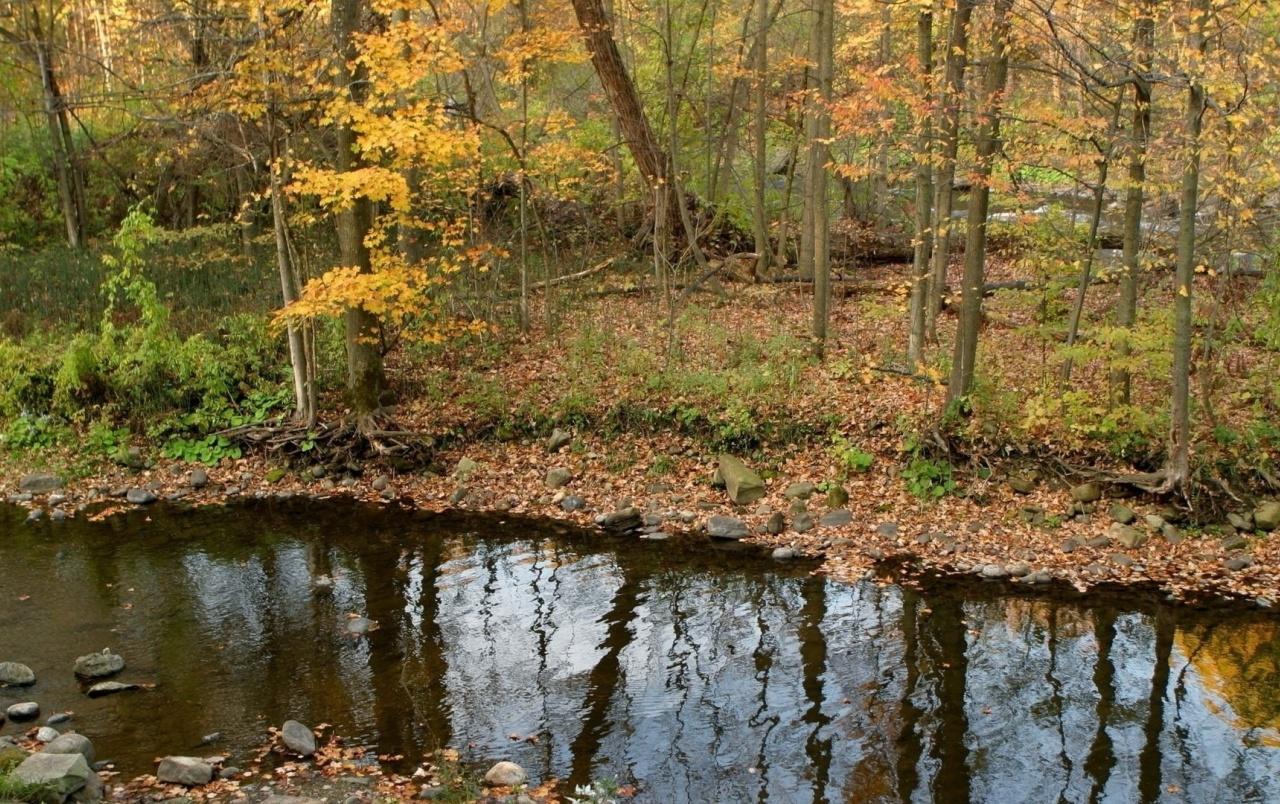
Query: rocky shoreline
(1015,530)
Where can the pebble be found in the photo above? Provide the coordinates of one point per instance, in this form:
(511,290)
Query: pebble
(505,774)
(784,553)
(27,710)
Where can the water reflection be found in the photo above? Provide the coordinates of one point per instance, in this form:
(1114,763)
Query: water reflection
(699,675)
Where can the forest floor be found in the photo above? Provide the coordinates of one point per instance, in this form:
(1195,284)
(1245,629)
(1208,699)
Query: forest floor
(646,424)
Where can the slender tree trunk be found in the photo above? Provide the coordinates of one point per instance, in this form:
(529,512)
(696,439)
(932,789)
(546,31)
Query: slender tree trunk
(291,291)
(975,250)
(879,206)
(364,357)
(824,31)
(923,240)
(949,135)
(1127,308)
(759,130)
(1178,469)
(65,166)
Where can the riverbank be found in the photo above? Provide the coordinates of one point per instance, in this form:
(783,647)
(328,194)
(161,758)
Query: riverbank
(1043,532)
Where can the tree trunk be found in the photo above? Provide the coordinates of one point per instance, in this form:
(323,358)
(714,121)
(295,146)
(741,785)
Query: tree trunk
(1127,308)
(949,134)
(975,250)
(824,32)
(923,240)
(1178,469)
(759,130)
(652,161)
(291,290)
(65,166)
(364,356)
(879,206)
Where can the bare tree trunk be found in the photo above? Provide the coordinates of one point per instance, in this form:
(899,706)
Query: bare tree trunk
(923,240)
(65,166)
(1178,468)
(291,290)
(759,130)
(949,134)
(1127,308)
(825,38)
(879,206)
(975,250)
(363,334)
(597,31)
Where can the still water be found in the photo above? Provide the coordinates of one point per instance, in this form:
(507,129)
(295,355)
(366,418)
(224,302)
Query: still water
(695,673)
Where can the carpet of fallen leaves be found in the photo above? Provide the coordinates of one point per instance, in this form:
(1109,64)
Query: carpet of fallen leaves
(666,471)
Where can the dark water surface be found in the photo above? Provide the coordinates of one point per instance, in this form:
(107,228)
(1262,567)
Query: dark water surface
(698,674)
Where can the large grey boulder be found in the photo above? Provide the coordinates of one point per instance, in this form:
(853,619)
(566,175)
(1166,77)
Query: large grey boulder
(1267,516)
(558,477)
(13,674)
(71,743)
(298,738)
(99,665)
(40,483)
(726,527)
(505,774)
(188,771)
(63,774)
(741,484)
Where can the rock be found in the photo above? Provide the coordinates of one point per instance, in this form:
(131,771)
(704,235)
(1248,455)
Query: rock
(35,515)
(798,506)
(621,520)
(1022,485)
(802,523)
(99,665)
(802,490)
(46,734)
(1154,521)
(298,738)
(110,688)
(558,438)
(198,479)
(318,472)
(228,772)
(57,498)
(1234,542)
(836,519)
(186,771)
(505,774)
(993,571)
(58,515)
(1121,559)
(58,718)
(784,553)
(140,496)
(381,483)
(776,524)
(726,527)
(572,503)
(465,468)
(887,530)
(1266,517)
(1122,514)
(459,494)
(62,774)
(276,798)
(1098,541)
(558,477)
(742,485)
(1237,563)
(13,674)
(39,483)
(1171,533)
(1127,535)
(1019,569)
(1032,514)
(11,754)
(27,710)
(1241,522)
(837,497)
(211,738)
(1070,545)
(1039,577)
(358,626)
(1086,492)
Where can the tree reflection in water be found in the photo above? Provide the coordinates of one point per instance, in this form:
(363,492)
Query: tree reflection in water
(695,673)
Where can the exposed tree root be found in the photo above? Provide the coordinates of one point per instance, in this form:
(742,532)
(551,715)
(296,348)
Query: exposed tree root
(337,445)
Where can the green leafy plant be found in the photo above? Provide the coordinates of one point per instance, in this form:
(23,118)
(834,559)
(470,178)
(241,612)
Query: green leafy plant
(208,450)
(849,456)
